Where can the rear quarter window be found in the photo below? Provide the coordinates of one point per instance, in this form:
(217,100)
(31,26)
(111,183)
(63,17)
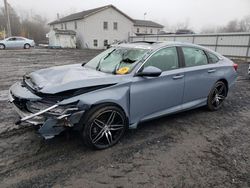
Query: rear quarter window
(212,58)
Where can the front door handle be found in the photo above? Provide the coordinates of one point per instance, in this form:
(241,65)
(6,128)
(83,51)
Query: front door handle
(178,76)
(211,70)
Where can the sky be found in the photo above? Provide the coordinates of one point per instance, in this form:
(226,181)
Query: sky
(198,13)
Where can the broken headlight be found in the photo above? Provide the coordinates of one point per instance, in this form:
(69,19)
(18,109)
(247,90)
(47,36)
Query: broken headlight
(35,107)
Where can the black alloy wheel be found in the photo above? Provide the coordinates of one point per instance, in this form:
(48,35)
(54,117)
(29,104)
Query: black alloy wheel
(104,127)
(217,96)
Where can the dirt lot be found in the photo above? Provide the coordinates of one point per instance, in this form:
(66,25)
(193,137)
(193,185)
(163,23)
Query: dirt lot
(197,148)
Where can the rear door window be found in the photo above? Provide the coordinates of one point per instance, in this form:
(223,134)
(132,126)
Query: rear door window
(194,57)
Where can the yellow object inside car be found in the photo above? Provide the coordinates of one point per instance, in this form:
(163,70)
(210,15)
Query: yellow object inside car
(123,70)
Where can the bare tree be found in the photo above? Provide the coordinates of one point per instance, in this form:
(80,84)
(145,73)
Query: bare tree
(245,24)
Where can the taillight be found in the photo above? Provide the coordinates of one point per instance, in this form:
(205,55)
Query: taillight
(235,66)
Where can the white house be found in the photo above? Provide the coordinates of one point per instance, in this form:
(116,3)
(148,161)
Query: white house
(147,27)
(96,28)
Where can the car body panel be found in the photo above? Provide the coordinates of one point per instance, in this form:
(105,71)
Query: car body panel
(199,80)
(141,98)
(145,89)
(68,77)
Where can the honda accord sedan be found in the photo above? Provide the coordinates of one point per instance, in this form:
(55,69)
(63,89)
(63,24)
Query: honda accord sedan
(16,42)
(122,87)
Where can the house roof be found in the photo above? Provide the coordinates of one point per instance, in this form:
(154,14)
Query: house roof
(64,32)
(147,23)
(86,13)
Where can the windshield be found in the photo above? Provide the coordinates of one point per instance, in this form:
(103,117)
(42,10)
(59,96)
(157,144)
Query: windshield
(117,60)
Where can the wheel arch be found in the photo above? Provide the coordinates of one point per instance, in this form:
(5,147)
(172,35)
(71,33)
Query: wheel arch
(3,45)
(109,103)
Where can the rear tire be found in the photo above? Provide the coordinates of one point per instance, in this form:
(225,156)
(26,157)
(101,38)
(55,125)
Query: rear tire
(103,126)
(2,46)
(217,96)
(26,46)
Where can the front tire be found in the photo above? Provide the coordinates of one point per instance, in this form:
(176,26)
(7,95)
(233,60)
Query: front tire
(217,96)
(103,126)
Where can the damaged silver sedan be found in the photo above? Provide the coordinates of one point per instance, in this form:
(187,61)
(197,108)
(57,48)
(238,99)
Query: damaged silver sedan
(121,87)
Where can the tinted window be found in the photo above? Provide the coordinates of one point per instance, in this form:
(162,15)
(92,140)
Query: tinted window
(12,39)
(212,58)
(194,57)
(95,43)
(19,39)
(164,59)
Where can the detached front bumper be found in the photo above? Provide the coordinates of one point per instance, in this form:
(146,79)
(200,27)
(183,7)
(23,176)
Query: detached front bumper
(50,124)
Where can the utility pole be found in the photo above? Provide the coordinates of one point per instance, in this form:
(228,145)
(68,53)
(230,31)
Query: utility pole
(7,18)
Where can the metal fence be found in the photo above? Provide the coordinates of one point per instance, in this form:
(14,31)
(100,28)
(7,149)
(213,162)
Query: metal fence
(234,45)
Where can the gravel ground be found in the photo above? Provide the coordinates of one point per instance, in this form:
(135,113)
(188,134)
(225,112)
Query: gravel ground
(196,148)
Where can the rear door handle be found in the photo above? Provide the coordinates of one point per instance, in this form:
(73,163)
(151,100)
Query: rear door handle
(178,76)
(211,70)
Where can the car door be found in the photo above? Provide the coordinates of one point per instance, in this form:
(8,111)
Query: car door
(9,42)
(20,42)
(200,76)
(154,96)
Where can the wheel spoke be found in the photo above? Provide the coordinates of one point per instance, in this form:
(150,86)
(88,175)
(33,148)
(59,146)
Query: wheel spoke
(99,123)
(217,102)
(216,91)
(99,136)
(111,118)
(108,136)
(221,89)
(221,97)
(116,127)
(214,99)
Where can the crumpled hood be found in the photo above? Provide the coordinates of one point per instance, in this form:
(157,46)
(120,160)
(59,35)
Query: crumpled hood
(63,78)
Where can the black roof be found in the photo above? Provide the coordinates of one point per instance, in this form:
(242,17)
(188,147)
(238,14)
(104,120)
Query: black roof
(147,23)
(86,13)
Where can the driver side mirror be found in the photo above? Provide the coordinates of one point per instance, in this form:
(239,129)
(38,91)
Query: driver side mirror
(150,71)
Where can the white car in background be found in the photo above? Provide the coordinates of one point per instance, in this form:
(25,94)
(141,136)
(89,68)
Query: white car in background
(16,42)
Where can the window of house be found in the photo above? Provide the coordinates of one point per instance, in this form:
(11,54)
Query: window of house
(61,26)
(194,57)
(138,30)
(95,43)
(105,25)
(151,31)
(146,31)
(212,58)
(105,42)
(65,26)
(158,31)
(75,24)
(165,59)
(115,25)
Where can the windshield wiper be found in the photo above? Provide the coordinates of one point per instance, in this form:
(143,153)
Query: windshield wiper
(99,63)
